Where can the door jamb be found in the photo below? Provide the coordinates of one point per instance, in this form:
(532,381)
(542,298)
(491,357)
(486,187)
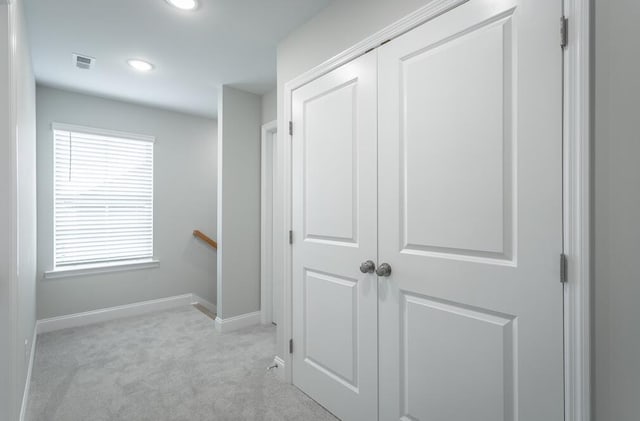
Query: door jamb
(267,262)
(577,181)
(576,191)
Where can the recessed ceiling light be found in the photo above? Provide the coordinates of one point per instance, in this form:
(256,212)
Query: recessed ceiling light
(140,65)
(184,4)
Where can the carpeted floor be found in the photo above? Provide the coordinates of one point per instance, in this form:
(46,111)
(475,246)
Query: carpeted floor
(169,365)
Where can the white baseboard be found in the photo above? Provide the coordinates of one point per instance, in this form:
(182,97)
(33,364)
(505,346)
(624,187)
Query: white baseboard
(238,322)
(112,313)
(27,384)
(204,303)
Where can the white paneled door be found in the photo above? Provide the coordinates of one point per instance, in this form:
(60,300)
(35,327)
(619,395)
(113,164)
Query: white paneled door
(439,158)
(470,214)
(335,305)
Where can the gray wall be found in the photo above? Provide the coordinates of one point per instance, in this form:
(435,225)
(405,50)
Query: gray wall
(239,122)
(184,200)
(17,208)
(336,28)
(7,243)
(269,106)
(617,207)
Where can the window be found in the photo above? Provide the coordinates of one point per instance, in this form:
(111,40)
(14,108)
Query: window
(103,198)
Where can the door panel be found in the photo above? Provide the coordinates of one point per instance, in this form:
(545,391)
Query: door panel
(337,357)
(330,123)
(335,229)
(467,145)
(471,358)
(470,170)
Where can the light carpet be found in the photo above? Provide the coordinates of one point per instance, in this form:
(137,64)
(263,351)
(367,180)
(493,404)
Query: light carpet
(169,365)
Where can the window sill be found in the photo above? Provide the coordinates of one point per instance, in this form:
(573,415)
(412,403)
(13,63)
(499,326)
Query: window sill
(94,269)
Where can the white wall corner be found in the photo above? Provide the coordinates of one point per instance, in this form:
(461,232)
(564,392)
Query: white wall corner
(238,322)
(27,384)
(239,122)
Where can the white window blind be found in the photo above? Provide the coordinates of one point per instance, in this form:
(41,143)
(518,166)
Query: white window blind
(103,196)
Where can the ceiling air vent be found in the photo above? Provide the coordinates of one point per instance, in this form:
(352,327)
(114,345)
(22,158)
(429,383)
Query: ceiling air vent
(83,62)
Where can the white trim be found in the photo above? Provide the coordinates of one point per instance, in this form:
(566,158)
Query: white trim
(577,184)
(204,303)
(412,20)
(94,269)
(576,218)
(102,132)
(27,384)
(112,313)
(237,322)
(269,131)
(13,81)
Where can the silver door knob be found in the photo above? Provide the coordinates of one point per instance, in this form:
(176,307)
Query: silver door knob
(384,270)
(367,267)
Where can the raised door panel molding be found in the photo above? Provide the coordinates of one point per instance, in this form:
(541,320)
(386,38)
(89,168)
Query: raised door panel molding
(457,170)
(452,350)
(331,311)
(330,175)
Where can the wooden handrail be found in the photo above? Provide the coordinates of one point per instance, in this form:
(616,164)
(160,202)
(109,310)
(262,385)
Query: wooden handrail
(206,239)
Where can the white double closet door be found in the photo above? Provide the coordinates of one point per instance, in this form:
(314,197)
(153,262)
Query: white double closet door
(439,154)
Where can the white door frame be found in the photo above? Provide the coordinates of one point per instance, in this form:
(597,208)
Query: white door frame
(576,191)
(577,214)
(269,131)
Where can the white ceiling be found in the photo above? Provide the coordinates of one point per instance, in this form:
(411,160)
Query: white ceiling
(223,42)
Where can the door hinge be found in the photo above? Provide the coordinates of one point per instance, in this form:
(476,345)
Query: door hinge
(564,32)
(290,237)
(291,128)
(564,268)
(290,346)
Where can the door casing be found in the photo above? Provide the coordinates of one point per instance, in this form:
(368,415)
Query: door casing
(267,204)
